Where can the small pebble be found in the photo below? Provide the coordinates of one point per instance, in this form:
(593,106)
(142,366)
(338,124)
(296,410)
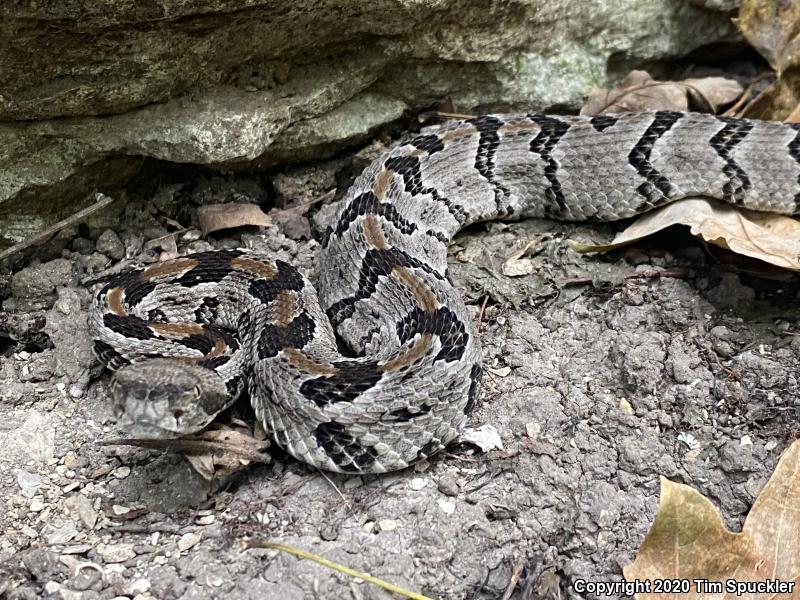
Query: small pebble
(329,532)
(77,549)
(109,244)
(353,483)
(122,472)
(387,524)
(36,505)
(53,534)
(297,227)
(422,466)
(533,429)
(116,553)
(501,372)
(417,483)
(138,586)
(29,483)
(52,588)
(447,485)
(446,506)
(188,540)
(80,507)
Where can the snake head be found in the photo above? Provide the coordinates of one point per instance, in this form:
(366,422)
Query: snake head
(166,398)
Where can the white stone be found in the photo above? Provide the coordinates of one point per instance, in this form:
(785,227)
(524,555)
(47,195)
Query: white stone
(53,533)
(446,506)
(417,483)
(28,482)
(387,524)
(188,540)
(116,553)
(122,472)
(484,437)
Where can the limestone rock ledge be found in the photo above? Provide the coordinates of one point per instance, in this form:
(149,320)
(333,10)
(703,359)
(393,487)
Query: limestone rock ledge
(89,88)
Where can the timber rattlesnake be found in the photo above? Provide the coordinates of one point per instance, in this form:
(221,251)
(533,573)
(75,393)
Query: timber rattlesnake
(186,335)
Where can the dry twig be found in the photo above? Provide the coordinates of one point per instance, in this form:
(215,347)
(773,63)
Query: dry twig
(101,202)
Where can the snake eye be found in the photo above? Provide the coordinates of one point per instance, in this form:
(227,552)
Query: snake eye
(196,391)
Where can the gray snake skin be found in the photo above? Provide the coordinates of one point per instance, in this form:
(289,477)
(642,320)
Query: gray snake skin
(187,335)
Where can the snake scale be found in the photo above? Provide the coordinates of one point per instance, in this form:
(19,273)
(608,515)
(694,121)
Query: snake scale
(186,336)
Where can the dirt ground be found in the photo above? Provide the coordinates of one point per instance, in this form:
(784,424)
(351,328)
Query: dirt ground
(603,373)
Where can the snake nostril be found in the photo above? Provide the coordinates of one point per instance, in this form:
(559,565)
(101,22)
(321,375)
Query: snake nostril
(177,413)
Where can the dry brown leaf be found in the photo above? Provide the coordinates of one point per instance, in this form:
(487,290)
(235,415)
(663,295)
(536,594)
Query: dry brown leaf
(226,452)
(794,116)
(517,265)
(689,541)
(637,92)
(215,217)
(778,100)
(718,91)
(640,92)
(773,28)
(774,239)
(215,453)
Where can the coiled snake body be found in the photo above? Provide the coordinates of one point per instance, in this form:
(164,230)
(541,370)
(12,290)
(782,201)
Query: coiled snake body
(186,335)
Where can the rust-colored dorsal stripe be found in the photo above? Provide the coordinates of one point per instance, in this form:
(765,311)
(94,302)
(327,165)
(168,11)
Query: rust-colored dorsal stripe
(516,127)
(115,299)
(220,347)
(373,233)
(423,295)
(301,362)
(283,308)
(178,329)
(254,267)
(402,361)
(169,268)
(183,330)
(382,183)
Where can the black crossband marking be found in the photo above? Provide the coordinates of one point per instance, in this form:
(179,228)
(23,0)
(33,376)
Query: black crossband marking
(410,169)
(550,133)
(428,143)
(110,357)
(603,122)
(657,189)
(444,323)
(343,448)
(724,142)
(352,379)
(376,264)
(368,204)
(794,151)
(475,375)
(488,142)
